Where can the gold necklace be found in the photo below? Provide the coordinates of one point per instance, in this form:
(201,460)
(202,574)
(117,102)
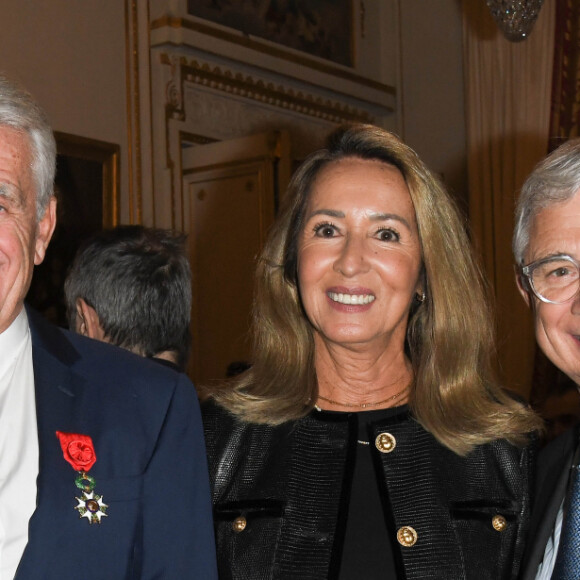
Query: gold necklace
(365,405)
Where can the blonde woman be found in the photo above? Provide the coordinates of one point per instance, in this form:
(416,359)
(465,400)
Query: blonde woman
(370,438)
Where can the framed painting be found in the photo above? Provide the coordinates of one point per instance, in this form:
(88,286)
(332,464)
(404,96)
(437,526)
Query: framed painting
(87,193)
(321,28)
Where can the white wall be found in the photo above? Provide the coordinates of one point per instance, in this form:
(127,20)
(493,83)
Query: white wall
(71,55)
(431,88)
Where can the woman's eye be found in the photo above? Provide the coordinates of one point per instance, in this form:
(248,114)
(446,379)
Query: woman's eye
(388,235)
(325,230)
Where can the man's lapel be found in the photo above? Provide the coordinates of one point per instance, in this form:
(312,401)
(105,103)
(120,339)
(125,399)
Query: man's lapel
(58,395)
(554,470)
(58,389)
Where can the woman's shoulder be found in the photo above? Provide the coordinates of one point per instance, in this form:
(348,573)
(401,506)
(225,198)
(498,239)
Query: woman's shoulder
(219,424)
(214,413)
(222,428)
(498,455)
(506,459)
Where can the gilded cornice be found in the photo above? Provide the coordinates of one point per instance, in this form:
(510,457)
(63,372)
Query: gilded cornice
(244,86)
(271,50)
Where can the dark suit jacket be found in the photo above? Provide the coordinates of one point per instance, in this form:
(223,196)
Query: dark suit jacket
(554,464)
(151,468)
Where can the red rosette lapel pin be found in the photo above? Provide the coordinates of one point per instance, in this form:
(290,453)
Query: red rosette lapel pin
(79,451)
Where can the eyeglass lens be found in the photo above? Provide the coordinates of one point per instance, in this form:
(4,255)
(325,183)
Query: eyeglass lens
(556,280)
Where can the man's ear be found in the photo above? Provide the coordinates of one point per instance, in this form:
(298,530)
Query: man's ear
(44,231)
(522,289)
(87,321)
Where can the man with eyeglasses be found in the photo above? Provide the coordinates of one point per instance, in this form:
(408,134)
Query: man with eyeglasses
(546,247)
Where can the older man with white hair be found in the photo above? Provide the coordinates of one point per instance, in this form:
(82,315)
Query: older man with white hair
(102,461)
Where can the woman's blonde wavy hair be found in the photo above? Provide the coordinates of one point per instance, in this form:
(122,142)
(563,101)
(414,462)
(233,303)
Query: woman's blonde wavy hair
(450,336)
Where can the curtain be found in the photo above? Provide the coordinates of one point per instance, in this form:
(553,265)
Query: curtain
(508,91)
(565,113)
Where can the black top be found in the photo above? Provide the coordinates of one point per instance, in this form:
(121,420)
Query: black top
(367,549)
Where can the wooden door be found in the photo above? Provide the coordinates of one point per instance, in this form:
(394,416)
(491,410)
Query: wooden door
(230,197)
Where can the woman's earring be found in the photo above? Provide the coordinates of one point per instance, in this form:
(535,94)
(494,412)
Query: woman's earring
(420,297)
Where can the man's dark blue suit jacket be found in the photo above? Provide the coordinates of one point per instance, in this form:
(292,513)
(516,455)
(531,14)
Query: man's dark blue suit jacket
(151,466)
(554,463)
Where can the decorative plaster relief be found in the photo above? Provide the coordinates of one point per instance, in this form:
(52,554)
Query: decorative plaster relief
(245,86)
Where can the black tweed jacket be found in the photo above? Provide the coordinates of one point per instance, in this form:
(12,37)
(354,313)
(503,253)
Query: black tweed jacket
(281,495)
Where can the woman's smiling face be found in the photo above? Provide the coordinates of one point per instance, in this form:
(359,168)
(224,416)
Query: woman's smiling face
(359,254)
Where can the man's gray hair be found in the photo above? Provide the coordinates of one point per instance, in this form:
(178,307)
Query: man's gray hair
(138,280)
(554,180)
(20,111)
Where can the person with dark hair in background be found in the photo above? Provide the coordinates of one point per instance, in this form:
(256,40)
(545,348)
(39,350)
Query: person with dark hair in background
(369,438)
(103,471)
(131,286)
(546,246)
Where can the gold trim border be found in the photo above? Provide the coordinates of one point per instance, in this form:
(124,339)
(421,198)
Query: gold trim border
(134,151)
(267,93)
(176,22)
(195,139)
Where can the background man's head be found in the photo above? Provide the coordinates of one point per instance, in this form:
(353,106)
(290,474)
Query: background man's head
(27,204)
(131,286)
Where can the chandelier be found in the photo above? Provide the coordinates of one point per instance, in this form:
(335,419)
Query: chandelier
(515,18)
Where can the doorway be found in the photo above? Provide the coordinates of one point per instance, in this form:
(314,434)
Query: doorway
(230,196)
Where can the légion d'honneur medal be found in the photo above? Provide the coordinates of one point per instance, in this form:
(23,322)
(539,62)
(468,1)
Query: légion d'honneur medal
(79,451)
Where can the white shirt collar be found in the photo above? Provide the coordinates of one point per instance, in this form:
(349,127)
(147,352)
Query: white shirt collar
(19,450)
(12,338)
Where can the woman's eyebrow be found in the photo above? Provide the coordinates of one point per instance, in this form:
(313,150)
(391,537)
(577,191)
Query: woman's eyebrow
(328,212)
(390,216)
(374,216)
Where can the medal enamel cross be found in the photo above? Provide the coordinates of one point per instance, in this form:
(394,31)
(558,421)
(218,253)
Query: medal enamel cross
(91,505)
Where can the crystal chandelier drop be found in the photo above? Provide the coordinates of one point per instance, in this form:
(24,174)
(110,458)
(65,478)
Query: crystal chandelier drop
(515,18)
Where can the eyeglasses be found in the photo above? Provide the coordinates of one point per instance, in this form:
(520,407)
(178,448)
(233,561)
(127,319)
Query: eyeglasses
(555,279)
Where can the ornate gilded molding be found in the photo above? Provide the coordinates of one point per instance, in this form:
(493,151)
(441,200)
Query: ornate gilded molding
(133,110)
(277,52)
(195,139)
(244,86)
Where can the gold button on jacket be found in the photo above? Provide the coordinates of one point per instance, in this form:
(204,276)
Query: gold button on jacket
(239,524)
(385,442)
(499,523)
(407,536)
